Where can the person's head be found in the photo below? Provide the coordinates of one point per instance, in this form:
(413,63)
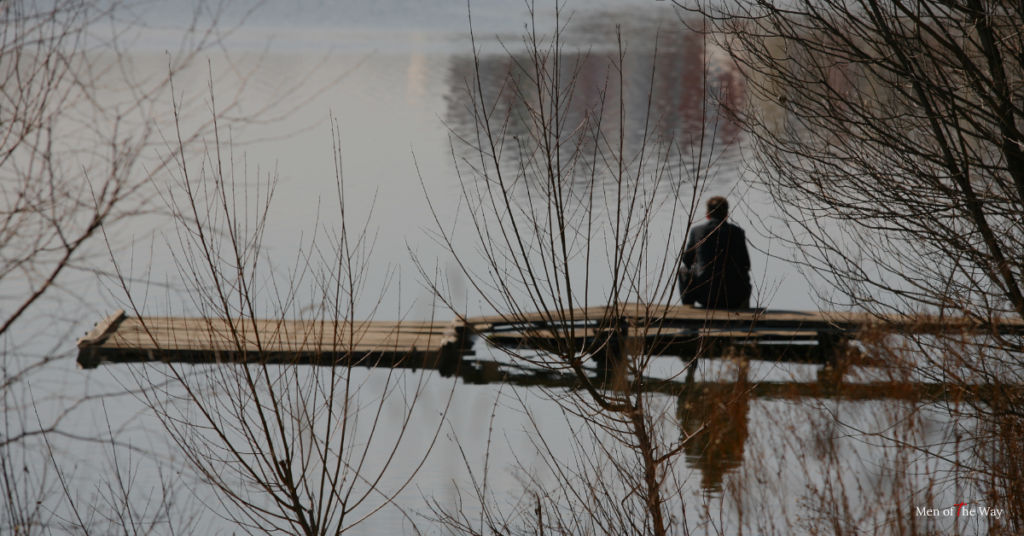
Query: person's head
(718,208)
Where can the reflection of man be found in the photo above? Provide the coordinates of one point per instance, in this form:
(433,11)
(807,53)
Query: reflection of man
(722,410)
(716,262)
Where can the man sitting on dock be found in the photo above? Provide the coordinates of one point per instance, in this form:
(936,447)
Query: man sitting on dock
(715,262)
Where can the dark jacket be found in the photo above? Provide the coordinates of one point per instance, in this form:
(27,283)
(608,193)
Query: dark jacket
(716,255)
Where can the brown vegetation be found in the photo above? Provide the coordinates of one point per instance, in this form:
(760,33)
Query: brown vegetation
(889,135)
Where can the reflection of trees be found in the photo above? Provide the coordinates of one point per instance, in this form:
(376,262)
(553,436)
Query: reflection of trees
(679,89)
(719,449)
(680,79)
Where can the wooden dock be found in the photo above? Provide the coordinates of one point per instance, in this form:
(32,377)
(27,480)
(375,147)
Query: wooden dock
(408,344)
(604,332)
(805,336)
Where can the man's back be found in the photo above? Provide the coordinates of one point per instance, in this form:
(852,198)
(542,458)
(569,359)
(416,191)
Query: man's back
(716,254)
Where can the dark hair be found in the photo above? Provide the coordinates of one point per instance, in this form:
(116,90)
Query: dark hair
(718,208)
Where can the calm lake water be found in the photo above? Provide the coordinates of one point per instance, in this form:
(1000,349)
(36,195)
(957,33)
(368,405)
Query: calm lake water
(392,75)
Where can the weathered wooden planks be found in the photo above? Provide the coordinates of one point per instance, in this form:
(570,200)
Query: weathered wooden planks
(628,327)
(650,314)
(686,330)
(418,344)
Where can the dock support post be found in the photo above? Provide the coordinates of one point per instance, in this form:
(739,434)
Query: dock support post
(611,345)
(830,346)
(691,371)
(88,354)
(452,345)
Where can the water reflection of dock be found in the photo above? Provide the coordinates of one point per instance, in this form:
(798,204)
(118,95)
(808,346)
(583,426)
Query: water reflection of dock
(720,409)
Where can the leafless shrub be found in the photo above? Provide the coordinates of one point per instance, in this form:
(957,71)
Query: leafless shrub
(78,124)
(889,135)
(294,444)
(576,202)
